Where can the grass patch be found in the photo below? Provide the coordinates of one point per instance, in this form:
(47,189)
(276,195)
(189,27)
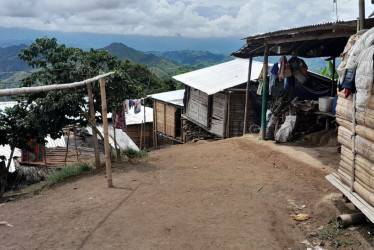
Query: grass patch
(63,174)
(131,153)
(68,171)
(335,237)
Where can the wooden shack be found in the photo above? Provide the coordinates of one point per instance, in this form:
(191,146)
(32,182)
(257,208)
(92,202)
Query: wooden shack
(168,109)
(216,97)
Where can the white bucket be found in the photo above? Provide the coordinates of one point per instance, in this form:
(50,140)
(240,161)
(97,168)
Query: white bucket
(325,103)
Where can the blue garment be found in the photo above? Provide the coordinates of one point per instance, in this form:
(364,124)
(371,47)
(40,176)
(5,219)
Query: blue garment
(274,69)
(272,79)
(289,82)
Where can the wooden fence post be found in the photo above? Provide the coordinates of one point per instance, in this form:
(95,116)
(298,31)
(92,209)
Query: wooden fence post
(106,134)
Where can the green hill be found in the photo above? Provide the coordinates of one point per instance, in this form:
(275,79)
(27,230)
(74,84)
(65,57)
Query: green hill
(162,67)
(194,59)
(9,61)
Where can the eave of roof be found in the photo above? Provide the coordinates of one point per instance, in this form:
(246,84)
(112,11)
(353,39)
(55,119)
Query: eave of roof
(320,40)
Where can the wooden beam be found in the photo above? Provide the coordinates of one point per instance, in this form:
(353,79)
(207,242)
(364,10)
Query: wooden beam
(108,163)
(307,37)
(38,89)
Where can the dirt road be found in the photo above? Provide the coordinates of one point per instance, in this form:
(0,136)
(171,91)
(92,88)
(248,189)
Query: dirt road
(231,194)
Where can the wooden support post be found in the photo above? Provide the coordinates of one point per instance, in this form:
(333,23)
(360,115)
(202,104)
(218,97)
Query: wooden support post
(333,77)
(164,119)
(264,93)
(361,8)
(93,120)
(145,123)
(246,96)
(154,124)
(106,134)
(353,136)
(228,118)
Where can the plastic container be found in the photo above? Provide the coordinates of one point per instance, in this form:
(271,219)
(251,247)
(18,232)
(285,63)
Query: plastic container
(326,103)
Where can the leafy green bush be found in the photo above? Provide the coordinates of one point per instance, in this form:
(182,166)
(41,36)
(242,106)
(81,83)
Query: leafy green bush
(131,153)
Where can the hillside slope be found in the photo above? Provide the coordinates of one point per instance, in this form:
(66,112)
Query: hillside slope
(9,61)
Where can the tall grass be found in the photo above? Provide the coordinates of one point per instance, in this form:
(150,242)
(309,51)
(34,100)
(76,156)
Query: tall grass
(63,174)
(68,171)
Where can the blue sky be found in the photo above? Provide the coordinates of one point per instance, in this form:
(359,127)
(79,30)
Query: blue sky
(185,18)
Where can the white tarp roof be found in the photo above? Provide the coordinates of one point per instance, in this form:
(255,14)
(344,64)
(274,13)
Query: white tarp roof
(132,118)
(174,97)
(221,76)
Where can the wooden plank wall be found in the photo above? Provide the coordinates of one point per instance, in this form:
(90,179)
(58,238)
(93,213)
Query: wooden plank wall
(165,118)
(197,106)
(55,157)
(133,131)
(159,109)
(219,114)
(237,106)
(170,120)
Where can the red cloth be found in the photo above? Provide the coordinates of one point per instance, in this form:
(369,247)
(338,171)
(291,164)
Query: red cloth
(282,65)
(347,92)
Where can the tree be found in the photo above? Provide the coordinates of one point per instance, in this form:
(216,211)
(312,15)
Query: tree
(327,71)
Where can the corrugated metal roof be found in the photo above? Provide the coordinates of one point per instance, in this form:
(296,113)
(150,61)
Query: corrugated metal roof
(221,76)
(132,118)
(54,143)
(174,97)
(123,140)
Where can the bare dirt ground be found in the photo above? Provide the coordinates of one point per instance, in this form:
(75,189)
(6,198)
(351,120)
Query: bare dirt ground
(230,194)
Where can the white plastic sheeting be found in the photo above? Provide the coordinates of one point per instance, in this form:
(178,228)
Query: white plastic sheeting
(364,77)
(285,131)
(123,140)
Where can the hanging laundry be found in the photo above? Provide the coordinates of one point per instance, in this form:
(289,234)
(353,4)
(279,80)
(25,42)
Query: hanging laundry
(131,103)
(282,65)
(138,107)
(120,122)
(126,106)
(272,79)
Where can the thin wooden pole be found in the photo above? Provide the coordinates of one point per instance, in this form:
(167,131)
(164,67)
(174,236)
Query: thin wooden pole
(361,8)
(246,96)
(93,121)
(333,77)
(353,136)
(114,134)
(155,143)
(145,123)
(106,134)
(264,93)
(75,143)
(30,90)
(228,116)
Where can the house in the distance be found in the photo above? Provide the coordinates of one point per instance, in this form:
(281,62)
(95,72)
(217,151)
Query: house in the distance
(216,96)
(167,113)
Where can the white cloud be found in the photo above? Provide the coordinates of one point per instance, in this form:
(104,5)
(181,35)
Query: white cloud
(189,18)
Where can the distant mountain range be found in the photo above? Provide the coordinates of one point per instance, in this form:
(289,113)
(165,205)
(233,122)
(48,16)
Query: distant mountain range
(162,67)
(192,58)
(86,41)
(163,64)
